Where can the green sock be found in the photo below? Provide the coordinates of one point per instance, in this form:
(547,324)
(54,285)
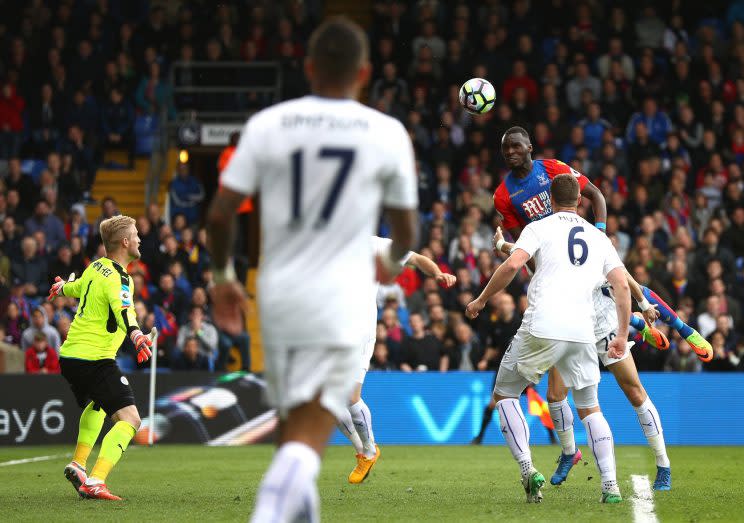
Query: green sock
(112,448)
(91,421)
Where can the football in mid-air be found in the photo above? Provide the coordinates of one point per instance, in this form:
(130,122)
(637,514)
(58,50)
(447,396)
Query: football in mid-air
(477,96)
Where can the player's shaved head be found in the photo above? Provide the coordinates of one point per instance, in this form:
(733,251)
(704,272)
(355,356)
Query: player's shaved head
(516,130)
(564,191)
(337,49)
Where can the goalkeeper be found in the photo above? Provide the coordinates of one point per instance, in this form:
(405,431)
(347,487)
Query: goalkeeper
(105,315)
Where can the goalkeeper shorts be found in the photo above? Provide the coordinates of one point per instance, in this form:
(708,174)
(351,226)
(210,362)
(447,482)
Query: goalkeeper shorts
(99,381)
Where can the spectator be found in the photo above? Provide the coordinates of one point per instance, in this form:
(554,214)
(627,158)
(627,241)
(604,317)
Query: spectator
(24,187)
(422,351)
(153,94)
(380,359)
(40,324)
(203,331)
(31,271)
(594,127)
(189,357)
(615,53)
(186,194)
(657,123)
(170,298)
(682,359)
(649,29)
(117,123)
(520,79)
(11,121)
(582,81)
(467,351)
(722,361)
(43,220)
(14,324)
(40,357)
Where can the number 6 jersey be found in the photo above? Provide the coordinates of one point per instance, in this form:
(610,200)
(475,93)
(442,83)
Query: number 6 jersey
(323,168)
(572,259)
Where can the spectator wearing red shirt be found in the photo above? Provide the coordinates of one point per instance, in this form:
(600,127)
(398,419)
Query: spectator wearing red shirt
(520,78)
(11,121)
(40,357)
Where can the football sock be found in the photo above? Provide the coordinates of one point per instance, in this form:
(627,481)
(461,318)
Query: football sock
(637,323)
(288,491)
(600,441)
(563,419)
(363,422)
(487,415)
(112,449)
(650,422)
(346,425)
(515,431)
(91,421)
(668,315)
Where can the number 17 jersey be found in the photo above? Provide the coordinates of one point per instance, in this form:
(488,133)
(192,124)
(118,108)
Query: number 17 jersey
(323,168)
(572,259)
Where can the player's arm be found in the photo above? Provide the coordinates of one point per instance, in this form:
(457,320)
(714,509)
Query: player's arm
(60,287)
(430,268)
(650,312)
(621,290)
(119,290)
(599,206)
(503,275)
(501,245)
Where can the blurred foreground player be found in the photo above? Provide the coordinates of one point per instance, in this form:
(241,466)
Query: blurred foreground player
(323,165)
(356,421)
(105,315)
(523,198)
(572,259)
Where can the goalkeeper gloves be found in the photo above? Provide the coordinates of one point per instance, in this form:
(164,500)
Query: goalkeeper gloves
(56,288)
(142,344)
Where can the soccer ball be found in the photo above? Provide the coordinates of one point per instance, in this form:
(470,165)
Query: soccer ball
(477,96)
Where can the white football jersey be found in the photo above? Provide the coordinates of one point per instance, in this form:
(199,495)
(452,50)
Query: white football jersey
(323,168)
(572,258)
(605,320)
(380,247)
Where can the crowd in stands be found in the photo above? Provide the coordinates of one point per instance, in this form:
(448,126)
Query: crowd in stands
(645,98)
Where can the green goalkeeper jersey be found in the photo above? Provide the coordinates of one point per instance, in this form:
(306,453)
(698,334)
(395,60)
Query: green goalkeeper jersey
(105,313)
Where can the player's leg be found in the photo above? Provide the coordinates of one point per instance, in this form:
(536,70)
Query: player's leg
(627,378)
(346,425)
(361,418)
(562,416)
(310,389)
(700,345)
(600,440)
(649,333)
(509,386)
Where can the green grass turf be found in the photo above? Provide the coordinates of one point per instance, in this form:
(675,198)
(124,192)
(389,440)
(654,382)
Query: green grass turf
(453,484)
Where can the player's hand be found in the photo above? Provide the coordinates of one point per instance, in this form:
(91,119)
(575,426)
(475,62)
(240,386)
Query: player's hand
(616,348)
(229,306)
(142,344)
(474,307)
(498,236)
(651,314)
(447,280)
(57,286)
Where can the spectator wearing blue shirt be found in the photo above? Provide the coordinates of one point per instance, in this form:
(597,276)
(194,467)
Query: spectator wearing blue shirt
(657,122)
(186,194)
(43,220)
(594,127)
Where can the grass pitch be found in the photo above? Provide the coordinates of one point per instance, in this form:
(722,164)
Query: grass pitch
(452,484)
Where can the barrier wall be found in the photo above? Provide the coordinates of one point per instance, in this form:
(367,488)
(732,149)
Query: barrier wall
(426,408)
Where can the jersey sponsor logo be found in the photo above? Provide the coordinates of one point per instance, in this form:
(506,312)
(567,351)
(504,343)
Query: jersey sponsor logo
(538,206)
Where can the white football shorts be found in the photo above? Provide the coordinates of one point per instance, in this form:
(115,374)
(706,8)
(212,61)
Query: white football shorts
(603,345)
(528,358)
(297,375)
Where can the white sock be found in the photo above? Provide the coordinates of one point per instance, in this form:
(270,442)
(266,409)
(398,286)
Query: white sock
(288,491)
(563,420)
(346,425)
(363,422)
(650,422)
(516,432)
(600,441)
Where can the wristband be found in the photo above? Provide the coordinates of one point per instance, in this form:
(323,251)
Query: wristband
(601,226)
(500,244)
(226,274)
(644,305)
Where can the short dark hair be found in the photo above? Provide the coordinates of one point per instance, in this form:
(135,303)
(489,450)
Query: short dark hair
(337,49)
(517,130)
(565,190)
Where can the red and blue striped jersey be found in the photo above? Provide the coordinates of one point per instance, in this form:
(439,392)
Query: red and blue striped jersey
(525,200)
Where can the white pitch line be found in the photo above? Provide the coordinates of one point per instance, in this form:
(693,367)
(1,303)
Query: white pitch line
(643,500)
(33,460)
